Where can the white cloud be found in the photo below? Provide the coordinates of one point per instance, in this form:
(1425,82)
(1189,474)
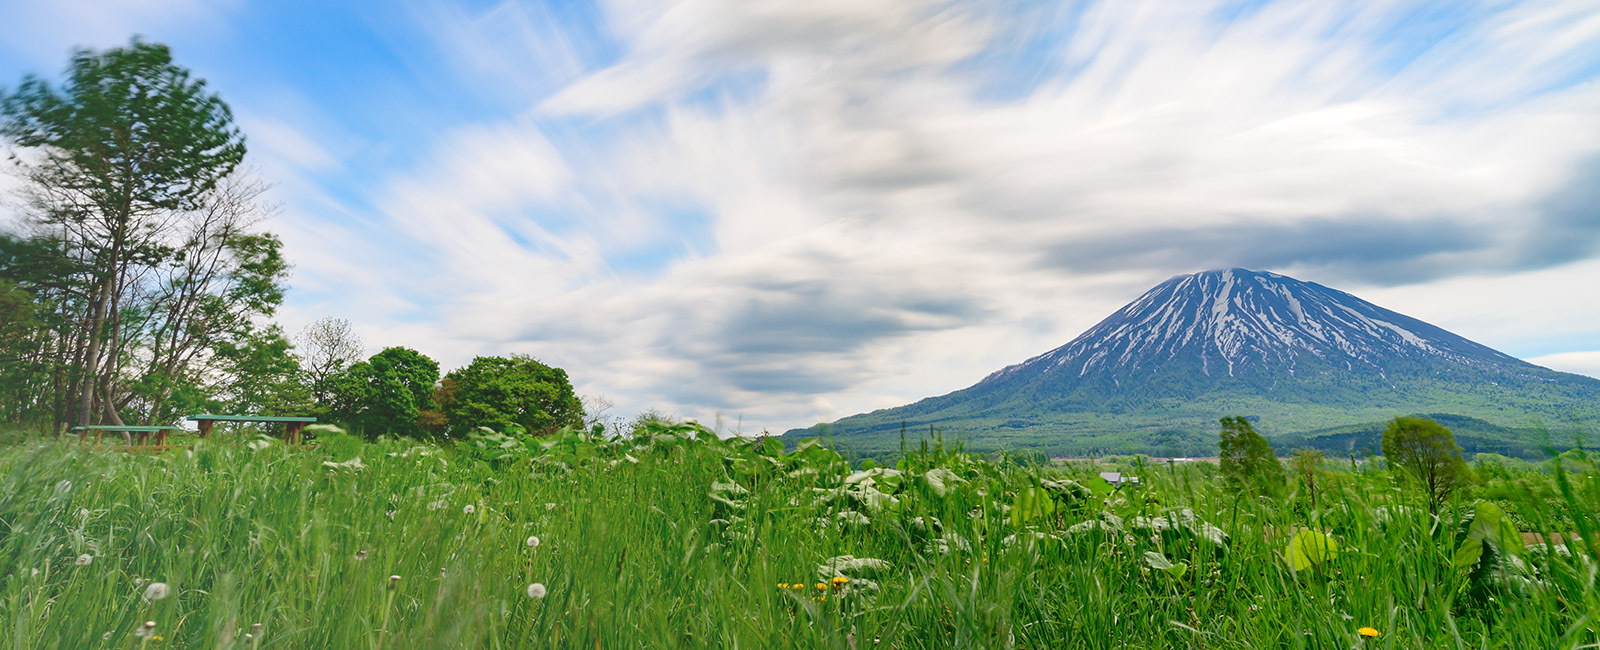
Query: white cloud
(881,224)
(1581,363)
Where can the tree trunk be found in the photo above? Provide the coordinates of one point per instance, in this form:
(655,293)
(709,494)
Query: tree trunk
(87,376)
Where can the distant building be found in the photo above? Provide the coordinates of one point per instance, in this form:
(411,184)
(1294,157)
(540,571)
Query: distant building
(1117,479)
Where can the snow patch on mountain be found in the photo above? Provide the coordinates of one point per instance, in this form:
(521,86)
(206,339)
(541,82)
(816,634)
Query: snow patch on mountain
(1238,322)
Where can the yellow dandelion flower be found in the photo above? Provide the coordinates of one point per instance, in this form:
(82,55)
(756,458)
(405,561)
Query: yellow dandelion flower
(783,585)
(839,580)
(822,586)
(1368,632)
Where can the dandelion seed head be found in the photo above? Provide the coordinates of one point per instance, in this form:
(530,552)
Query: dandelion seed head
(468,509)
(147,630)
(156,591)
(436,505)
(361,555)
(533,541)
(106,636)
(85,559)
(537,591)
(394,581)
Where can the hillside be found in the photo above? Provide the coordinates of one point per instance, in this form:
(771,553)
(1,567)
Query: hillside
(1297,357)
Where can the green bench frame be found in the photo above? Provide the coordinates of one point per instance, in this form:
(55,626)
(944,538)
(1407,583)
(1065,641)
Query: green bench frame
(291,425)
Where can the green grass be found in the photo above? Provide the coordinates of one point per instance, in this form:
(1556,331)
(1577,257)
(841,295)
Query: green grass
(636,552)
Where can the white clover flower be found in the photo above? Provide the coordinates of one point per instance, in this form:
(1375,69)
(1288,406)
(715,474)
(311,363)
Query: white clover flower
(85,559)
(147,630)
(156,591)
(537,591)
(533,541)
(468,509)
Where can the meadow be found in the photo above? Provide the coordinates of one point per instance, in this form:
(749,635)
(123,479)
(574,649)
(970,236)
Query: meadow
(674,538)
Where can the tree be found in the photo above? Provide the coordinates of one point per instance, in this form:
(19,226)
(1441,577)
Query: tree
(327,347)
(1247,462)
(117,163)
(498,392)
(386,393)
(1307,465)
(1424,453)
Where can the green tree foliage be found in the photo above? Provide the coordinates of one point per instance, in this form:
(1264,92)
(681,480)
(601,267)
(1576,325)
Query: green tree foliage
(498,392)
(387,393)
(139,249)
(1307,466)
(1423,453)
(1247,462)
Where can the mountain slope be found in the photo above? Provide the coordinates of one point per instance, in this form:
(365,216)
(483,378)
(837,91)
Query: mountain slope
(1297,355)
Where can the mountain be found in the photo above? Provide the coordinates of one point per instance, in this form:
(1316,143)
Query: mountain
(1303,360)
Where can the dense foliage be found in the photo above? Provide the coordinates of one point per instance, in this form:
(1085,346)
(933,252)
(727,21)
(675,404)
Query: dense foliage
(1247,462)
(501,392)
(138,261)
(387,393)
(1424,452)
(674,538)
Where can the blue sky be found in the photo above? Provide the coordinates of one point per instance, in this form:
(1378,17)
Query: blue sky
(775,213)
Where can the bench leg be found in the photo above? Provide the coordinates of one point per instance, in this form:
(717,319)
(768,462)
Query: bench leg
(291,432)
(161,438)
(205,428)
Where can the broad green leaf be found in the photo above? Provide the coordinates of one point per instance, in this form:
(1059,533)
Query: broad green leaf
(1160,562)
(940,480)
(1309,548)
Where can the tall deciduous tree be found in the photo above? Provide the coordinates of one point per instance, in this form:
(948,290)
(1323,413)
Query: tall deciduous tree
(327,346)
(498,392)
(387,393)
(1424,453)
(112,162)
(1247,461)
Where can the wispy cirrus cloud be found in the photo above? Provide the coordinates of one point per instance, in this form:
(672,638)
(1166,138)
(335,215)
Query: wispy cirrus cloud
(788,212)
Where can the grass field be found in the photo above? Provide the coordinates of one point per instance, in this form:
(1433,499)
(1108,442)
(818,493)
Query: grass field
(673,540)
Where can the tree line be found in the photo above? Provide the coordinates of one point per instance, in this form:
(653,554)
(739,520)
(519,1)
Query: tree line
(137,283)
(1421,452)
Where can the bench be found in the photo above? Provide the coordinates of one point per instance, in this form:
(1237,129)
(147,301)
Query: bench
(291,425)
(127,432)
